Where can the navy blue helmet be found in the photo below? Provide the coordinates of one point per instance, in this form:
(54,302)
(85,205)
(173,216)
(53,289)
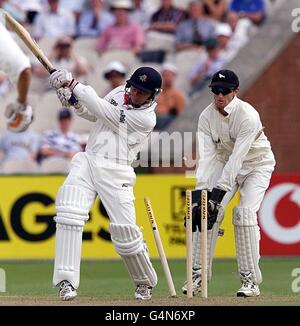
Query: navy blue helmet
(225,78)
(146,79)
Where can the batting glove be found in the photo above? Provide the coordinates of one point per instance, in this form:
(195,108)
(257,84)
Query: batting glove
(62,78)
(64,95)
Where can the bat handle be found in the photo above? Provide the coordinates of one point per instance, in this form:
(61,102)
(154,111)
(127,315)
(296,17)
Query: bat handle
(73,100)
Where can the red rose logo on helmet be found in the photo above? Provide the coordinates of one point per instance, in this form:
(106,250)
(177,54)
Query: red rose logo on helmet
(143,78)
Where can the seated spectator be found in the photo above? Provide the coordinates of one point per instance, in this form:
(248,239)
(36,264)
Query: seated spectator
(142,12)
(193,32)
(64,57)
(124,34)
(223,34)
(54,22)
(19,146)
(75,7)
(254,10)
(241,28)
(28,9)
(204,70)
(14,9)
(166,19)
(115,74)
(61,143)
(215,9)
(171,101)
(94,19)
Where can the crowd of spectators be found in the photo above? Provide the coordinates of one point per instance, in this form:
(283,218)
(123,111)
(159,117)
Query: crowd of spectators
(153,32)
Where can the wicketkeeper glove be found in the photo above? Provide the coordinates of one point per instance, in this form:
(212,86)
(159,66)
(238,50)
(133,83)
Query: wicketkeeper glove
(196,210)
(213,206)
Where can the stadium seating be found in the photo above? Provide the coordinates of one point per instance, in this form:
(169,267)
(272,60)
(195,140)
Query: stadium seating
(46,104)
(46,112)
(19,167)
(55,166)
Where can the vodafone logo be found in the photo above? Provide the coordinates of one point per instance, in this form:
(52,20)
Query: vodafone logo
(279,215)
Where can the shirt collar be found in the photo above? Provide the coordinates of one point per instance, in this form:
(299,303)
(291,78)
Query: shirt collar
(231,106)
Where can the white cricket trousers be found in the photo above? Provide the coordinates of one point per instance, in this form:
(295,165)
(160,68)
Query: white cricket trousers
(252,183)
(112,182)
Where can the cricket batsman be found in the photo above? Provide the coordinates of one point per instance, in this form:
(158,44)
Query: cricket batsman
(123,120)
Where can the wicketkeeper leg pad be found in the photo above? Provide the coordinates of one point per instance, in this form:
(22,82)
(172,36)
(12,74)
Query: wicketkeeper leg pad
(72,212)
(247,237)
(130,245)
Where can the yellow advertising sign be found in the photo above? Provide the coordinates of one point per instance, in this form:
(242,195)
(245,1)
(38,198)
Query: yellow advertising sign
(27,208)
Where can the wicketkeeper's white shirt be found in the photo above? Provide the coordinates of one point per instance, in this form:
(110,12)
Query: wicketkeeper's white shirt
(236,139)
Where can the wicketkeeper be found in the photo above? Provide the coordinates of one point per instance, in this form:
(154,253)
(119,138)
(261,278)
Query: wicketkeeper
(234,155)
(123,120)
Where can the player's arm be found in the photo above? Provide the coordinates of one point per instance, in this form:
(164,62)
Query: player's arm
(249,129)
(89,106)
(130,122)
(206,152)
(64,94)
(96,106)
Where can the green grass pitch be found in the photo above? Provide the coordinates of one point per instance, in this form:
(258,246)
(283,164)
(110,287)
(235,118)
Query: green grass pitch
(107,282)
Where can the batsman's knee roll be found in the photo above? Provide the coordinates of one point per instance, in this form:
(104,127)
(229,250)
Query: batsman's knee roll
(130,245)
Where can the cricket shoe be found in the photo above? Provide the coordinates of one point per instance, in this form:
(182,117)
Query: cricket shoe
(249,288)
(143,292)
(66,291)
(196,282)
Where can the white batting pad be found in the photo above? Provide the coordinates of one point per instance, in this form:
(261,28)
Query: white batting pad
(72,206)
(72,211)
(68,244)
(212,236)
(247,239)
(130,245)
